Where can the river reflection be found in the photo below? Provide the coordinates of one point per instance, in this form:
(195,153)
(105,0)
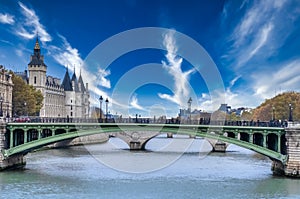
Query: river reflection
(74,172)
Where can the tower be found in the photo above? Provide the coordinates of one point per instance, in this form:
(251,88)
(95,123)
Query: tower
(37,73)
(37,68)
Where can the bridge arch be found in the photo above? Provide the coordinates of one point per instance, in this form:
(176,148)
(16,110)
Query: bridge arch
(244,136)
(272,141)
(17,137)
(59,131)
(230,134)
(32,134)
(258,139)
(46,132)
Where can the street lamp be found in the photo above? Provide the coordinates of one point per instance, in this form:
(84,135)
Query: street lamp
(1,110)
(100,115)
(273,113)
(106,101)
(25,111)
(290,113)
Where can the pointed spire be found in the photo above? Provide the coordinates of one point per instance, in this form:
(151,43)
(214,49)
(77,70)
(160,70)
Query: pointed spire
(37,44)
(80,83)
(74,78)
(66,84)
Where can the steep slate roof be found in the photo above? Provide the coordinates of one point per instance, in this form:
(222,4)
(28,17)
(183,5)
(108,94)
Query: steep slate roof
(80,81)
(66,84)
(37,58)
(74,78)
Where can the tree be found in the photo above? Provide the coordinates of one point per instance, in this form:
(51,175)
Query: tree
(26,100)
(246,115)
(278,107)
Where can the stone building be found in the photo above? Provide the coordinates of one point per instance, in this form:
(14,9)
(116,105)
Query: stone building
(6,86)
(67,99)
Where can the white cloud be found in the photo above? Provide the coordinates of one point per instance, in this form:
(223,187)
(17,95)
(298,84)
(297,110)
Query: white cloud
(102,76)
(268,82)
(7,19)
(232,82)
(19,52)
(253,36)
(173,66)
(259,40)
(66,55)
(264,85)
(30,25)
(135,104)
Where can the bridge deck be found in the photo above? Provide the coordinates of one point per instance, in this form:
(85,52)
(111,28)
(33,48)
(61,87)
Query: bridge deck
(265,140)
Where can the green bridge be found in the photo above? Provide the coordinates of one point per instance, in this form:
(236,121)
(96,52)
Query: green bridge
(279,144)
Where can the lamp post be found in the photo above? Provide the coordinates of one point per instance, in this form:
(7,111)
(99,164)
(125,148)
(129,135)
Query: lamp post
(1,110)
(25,111)
(100,115)
(273,113)
(106,101)
(190,109)
(290,113)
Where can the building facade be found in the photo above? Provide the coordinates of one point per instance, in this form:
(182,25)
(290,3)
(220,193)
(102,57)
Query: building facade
(6,86)
(69,99)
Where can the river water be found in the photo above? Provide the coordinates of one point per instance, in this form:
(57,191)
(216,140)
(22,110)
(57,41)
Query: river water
(110,170)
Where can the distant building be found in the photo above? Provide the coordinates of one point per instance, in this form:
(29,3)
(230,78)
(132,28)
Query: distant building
(67,99)
(195,115)
(6,86)
(225,108)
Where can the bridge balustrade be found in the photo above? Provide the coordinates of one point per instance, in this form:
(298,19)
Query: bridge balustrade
(201,121)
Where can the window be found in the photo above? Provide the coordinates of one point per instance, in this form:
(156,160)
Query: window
(71,114)
(34,80)
(71,107)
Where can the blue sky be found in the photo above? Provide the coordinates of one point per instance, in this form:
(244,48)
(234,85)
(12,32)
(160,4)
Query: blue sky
(254,45)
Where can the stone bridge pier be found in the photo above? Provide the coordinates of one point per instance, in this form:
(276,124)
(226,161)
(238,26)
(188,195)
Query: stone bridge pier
(13,161)
(217,146)
(292,166)
(136,140)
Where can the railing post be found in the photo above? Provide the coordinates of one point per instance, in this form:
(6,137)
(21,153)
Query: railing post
(279,144)
(11,141)
(25,136)
(251,137)
(264,140)
(39,133)
(53,131)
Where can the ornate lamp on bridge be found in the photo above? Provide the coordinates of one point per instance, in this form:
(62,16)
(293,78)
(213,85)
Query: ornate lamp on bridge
(100,115)
(1,108)
(106,101)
